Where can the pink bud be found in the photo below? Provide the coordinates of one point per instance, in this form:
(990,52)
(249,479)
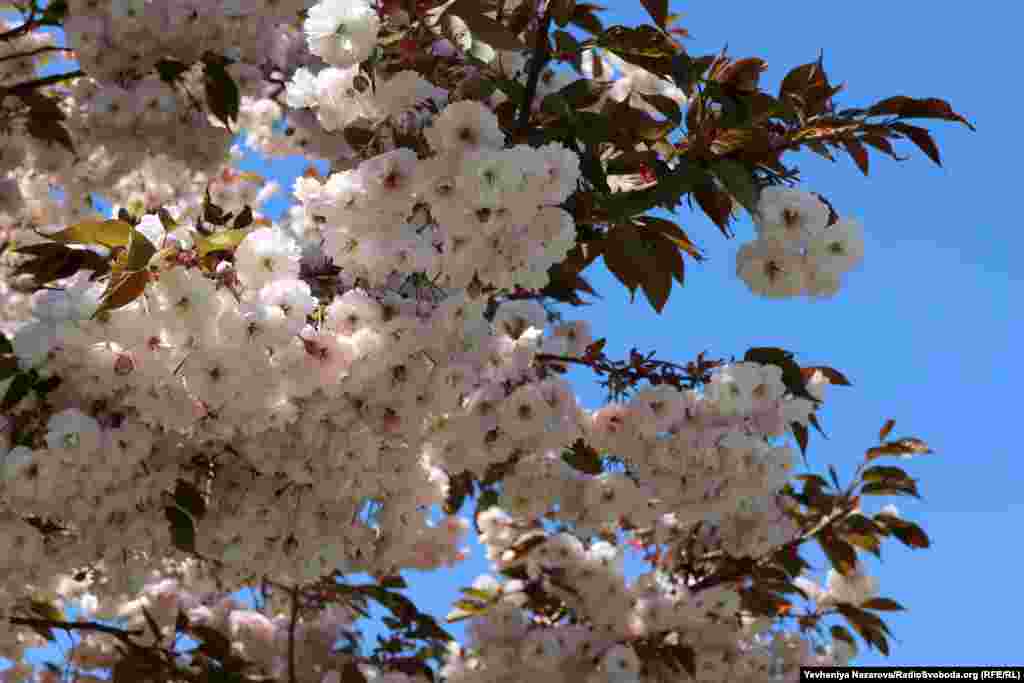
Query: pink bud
(123,364)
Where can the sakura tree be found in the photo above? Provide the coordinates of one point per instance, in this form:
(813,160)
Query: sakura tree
(197,398)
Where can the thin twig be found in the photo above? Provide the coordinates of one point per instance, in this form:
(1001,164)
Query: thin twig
(540,58)
(37,51)
(291,635)
(118,633)
(29,24)
(42,82)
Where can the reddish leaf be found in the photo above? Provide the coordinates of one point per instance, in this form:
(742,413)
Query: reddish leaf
(886,429)
(673,233)
(922,138)
(857,152)
(585,18)
(925,108)
(883,605)
(882,144)
(801,434)
(840,553)
(908,533)
(669,260)
(618,259)
(831,374)
(123,291)
(904,446)
(869,626)
(717,205)
(657,285)
(658,9)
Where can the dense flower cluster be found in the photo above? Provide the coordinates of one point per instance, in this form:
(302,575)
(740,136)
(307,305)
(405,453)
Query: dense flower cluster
(798,251)
(323,426)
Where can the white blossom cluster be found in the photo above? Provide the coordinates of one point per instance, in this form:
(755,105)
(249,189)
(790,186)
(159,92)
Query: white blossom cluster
(504,641)
(475,209)
(797,251)
(333,418)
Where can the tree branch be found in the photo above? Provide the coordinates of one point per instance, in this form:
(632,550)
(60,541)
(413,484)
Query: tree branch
(291,635)
(748,564)
(42,82)
(118,633)
(540,59)
(38,50)
(29,24)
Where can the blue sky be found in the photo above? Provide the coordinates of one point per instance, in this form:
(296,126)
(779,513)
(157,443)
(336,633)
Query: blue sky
(925,329)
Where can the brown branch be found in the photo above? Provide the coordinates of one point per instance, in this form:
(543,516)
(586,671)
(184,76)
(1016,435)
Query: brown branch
(747,565)
(29,24)
(291,635)
(118,633)
(540,58)
(42,82)
(33,53)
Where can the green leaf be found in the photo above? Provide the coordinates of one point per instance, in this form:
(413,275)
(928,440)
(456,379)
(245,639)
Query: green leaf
(17,390)
(5,344)
(477,594)
(110,234)
(140,251)
(225,240)
(457,615)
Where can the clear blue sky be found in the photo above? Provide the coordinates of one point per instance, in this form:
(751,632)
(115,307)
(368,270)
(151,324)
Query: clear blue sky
(925,329)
